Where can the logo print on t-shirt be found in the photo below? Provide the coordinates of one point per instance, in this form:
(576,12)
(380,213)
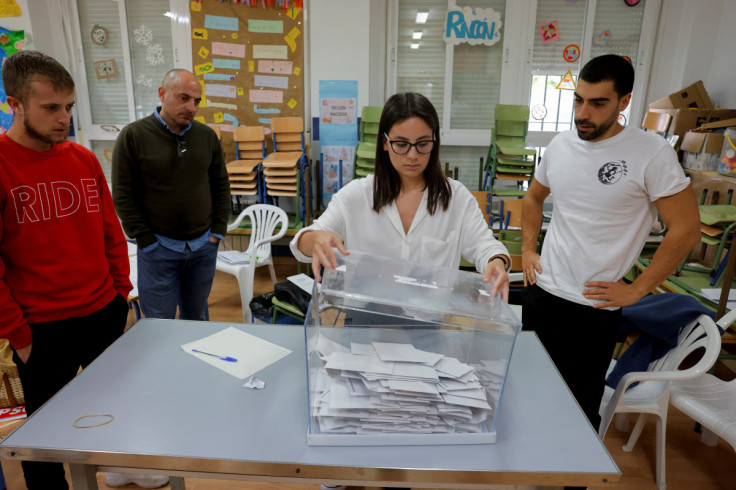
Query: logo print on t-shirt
(611,172)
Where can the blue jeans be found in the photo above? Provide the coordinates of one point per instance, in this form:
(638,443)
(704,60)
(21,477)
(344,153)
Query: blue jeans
(167,278)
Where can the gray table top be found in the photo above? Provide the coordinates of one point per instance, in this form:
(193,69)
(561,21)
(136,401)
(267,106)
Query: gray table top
(172,412)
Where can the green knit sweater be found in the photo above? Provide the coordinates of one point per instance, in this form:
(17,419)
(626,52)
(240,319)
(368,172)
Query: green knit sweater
(157,191)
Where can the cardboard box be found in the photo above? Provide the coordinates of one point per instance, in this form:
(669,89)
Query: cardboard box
(693,96)
(701,151)
(683,120)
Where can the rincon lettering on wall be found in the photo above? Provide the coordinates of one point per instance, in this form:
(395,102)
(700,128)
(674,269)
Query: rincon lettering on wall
(472,26)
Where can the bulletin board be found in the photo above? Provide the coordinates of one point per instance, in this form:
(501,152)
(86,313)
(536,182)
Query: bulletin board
(249,58)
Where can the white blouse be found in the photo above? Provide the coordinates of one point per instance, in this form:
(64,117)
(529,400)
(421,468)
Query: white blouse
(439,239)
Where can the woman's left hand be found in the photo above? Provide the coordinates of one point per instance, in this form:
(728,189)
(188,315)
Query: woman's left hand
(496,271)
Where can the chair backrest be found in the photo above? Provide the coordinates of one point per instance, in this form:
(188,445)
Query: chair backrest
(656,121)
(484,203)
(264,218)
(369,119)
(510,120)
(250,142)
(701,333)
(288,133)
(509,211)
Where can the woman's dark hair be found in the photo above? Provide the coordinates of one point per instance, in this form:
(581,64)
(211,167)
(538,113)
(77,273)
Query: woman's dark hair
(387,184)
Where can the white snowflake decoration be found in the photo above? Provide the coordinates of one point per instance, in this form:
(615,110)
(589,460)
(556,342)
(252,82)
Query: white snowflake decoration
(143,35)
(144,80)
(155,54)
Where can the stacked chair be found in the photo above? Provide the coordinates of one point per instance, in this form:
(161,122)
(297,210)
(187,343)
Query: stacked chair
(510,157)
(365,151)
(244,172)
(285,171)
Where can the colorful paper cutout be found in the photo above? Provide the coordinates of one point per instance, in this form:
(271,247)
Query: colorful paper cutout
(221,23)
(8,8)
(256,110)
(224,128)
(567,82)
(571,53)
(218,117)
(291,103)
(549,32)
(293,11)
(199,33)
(200,119)
(266,26)
(268,96)
(227,49)
(106,69)
(269,51)
(275,67)
(264,120)
(241,91)
(290,38)
(203,52)
(234,35)
(271,81)
(220,90)
(297,71)
(231,119)
(223,77)
(203,102)
(195,6)
(225,64)
(251,66)
(203,68)
(539,112)
(222,105)
(603,38)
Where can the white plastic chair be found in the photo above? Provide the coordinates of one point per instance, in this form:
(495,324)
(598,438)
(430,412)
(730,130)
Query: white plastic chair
(652,394)
(710,401)
(264,219)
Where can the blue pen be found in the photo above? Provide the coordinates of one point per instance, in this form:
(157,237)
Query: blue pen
(229,359)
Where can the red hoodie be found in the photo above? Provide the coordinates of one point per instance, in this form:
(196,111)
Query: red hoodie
(62,250)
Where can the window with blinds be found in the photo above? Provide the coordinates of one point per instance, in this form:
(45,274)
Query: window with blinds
(565,19)
(151,50)
(422,58)
(103,61)
(420,63)
(617,29)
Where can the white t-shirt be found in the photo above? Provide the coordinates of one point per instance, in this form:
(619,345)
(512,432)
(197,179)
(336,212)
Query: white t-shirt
(603,197)
(438,239)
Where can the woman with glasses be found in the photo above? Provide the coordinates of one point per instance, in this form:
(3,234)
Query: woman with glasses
(408,210)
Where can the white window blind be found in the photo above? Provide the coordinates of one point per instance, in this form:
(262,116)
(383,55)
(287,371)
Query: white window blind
(151,50)
(476,77)
(570,18)
(108,96)
(623,23)
(422,69)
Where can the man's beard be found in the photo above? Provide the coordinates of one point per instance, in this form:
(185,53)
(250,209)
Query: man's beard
(48,139)
(598,130)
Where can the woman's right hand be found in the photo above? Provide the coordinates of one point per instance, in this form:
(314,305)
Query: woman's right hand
(321,244)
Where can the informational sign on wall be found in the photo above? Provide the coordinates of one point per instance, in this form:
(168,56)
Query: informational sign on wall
(338,133)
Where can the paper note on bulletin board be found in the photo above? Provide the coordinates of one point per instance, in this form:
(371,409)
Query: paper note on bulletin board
(252,73)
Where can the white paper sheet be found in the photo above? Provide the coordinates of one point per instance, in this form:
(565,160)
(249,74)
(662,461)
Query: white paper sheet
(252,353)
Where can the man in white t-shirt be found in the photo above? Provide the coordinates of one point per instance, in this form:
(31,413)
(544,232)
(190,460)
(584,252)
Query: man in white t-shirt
(608,182)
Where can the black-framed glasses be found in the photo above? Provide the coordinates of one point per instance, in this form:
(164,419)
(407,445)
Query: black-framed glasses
(181,147)
(401,147)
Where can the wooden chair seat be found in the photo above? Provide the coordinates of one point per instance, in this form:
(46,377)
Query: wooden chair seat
(242,166)
(280,193)
(235,178)
(517,177)
(277,172)
(283,159)
(281,187)
(280,180)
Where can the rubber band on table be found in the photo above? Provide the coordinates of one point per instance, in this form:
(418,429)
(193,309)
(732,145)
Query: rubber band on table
(111,418)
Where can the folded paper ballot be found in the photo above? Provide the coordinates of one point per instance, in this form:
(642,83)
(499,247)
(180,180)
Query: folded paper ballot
(386,387)
(234,257)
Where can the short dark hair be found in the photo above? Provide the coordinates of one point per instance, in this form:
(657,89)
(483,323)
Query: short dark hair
(387,184)
(610,67)
(23,67)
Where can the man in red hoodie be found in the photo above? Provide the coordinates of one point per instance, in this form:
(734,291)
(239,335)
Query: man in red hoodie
(63,257)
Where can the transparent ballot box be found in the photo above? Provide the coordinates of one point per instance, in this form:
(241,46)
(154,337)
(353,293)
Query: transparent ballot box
(405,354)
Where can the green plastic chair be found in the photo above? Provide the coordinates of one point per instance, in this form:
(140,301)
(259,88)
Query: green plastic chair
(510,157)
(369,119)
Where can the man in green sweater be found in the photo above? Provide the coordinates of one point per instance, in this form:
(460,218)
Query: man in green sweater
(171,191)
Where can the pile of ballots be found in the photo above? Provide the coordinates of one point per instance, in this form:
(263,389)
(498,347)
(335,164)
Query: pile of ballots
(382,387)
